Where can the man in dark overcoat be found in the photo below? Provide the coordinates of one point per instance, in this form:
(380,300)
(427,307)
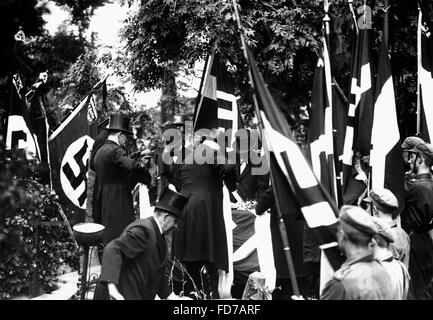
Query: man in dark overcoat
(134,264)
(114,171)
(201,241)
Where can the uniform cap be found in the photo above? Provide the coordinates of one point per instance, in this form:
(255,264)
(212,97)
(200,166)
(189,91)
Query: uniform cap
(384,229)
(411,143)
(426,149)
(384,199)
(354,220)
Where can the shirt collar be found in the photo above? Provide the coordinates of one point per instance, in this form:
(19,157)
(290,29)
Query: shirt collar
(423,176)
(393,224)
(159,226)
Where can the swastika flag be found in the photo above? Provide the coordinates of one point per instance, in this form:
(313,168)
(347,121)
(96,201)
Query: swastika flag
(70,145)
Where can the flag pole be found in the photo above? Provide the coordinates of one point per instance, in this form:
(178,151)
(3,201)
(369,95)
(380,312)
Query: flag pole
(282,226)
(418,91)
(352,11)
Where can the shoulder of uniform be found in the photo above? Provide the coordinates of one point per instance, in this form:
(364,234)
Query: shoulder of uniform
(342,272)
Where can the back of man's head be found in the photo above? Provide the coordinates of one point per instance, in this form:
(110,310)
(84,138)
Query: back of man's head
(357,225)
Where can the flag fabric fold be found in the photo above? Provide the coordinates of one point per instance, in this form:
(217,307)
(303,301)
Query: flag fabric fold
(357,143)
(19,130)
(70,146)
(321,125)
(217,104)
(294,182)
(386,158)
(425,71)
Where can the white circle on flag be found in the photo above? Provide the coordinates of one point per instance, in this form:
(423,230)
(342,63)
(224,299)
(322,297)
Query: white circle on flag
(75,161)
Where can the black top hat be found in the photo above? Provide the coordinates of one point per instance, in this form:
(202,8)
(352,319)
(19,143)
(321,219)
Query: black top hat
(179,119)
(172,202)
(119,122)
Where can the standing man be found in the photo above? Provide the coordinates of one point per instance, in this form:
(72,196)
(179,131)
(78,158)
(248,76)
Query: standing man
(395,268)
(113,199)
(417,217)
(201,241)
(134,264)
(382,203)
(360,277)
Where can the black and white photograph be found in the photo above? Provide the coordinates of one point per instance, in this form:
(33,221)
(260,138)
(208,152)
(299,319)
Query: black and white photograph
(216,155)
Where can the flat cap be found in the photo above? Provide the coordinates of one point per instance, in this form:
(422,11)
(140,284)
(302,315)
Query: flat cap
(384,199)
(354,220)
(411,143)
(384,230)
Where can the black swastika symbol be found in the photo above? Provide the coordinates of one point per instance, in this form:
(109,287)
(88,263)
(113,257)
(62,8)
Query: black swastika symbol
(77,180)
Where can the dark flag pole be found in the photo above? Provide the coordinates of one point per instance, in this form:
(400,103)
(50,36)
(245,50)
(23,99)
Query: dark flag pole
(282,226)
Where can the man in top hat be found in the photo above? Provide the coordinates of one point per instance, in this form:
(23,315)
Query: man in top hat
(382,204)
(114,170)
(179,122)
(417,217)
(396,269)
(134,264)
(360,277)
(174,149)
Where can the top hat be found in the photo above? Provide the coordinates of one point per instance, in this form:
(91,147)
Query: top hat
(179,119)
(172,202)
(119,122)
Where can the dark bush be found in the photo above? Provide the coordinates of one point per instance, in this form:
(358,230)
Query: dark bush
(34,240)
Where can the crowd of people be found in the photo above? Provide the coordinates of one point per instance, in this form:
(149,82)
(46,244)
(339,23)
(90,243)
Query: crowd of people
(387,245)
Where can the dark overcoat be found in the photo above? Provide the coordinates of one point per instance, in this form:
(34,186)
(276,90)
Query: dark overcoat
(136,263)
(249,186)
(202,235)
(113,197)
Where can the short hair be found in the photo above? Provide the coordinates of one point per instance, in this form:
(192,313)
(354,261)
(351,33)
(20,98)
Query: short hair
(359,239)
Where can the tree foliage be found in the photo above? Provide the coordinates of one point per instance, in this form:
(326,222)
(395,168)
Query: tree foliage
(285,38)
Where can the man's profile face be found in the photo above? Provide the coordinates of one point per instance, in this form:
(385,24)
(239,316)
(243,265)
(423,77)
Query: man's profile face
(169,223)
(122,138)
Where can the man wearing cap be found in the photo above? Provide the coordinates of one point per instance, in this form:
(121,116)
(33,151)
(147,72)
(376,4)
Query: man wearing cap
(114,170)
(360,277)
(382,204)
(417,217)
(395,268)
(134,265)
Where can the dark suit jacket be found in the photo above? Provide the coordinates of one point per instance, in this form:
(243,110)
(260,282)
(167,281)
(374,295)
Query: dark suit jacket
(136,262)
(249,186)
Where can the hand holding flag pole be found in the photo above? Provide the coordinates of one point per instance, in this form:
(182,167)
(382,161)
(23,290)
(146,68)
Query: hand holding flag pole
(282,226)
